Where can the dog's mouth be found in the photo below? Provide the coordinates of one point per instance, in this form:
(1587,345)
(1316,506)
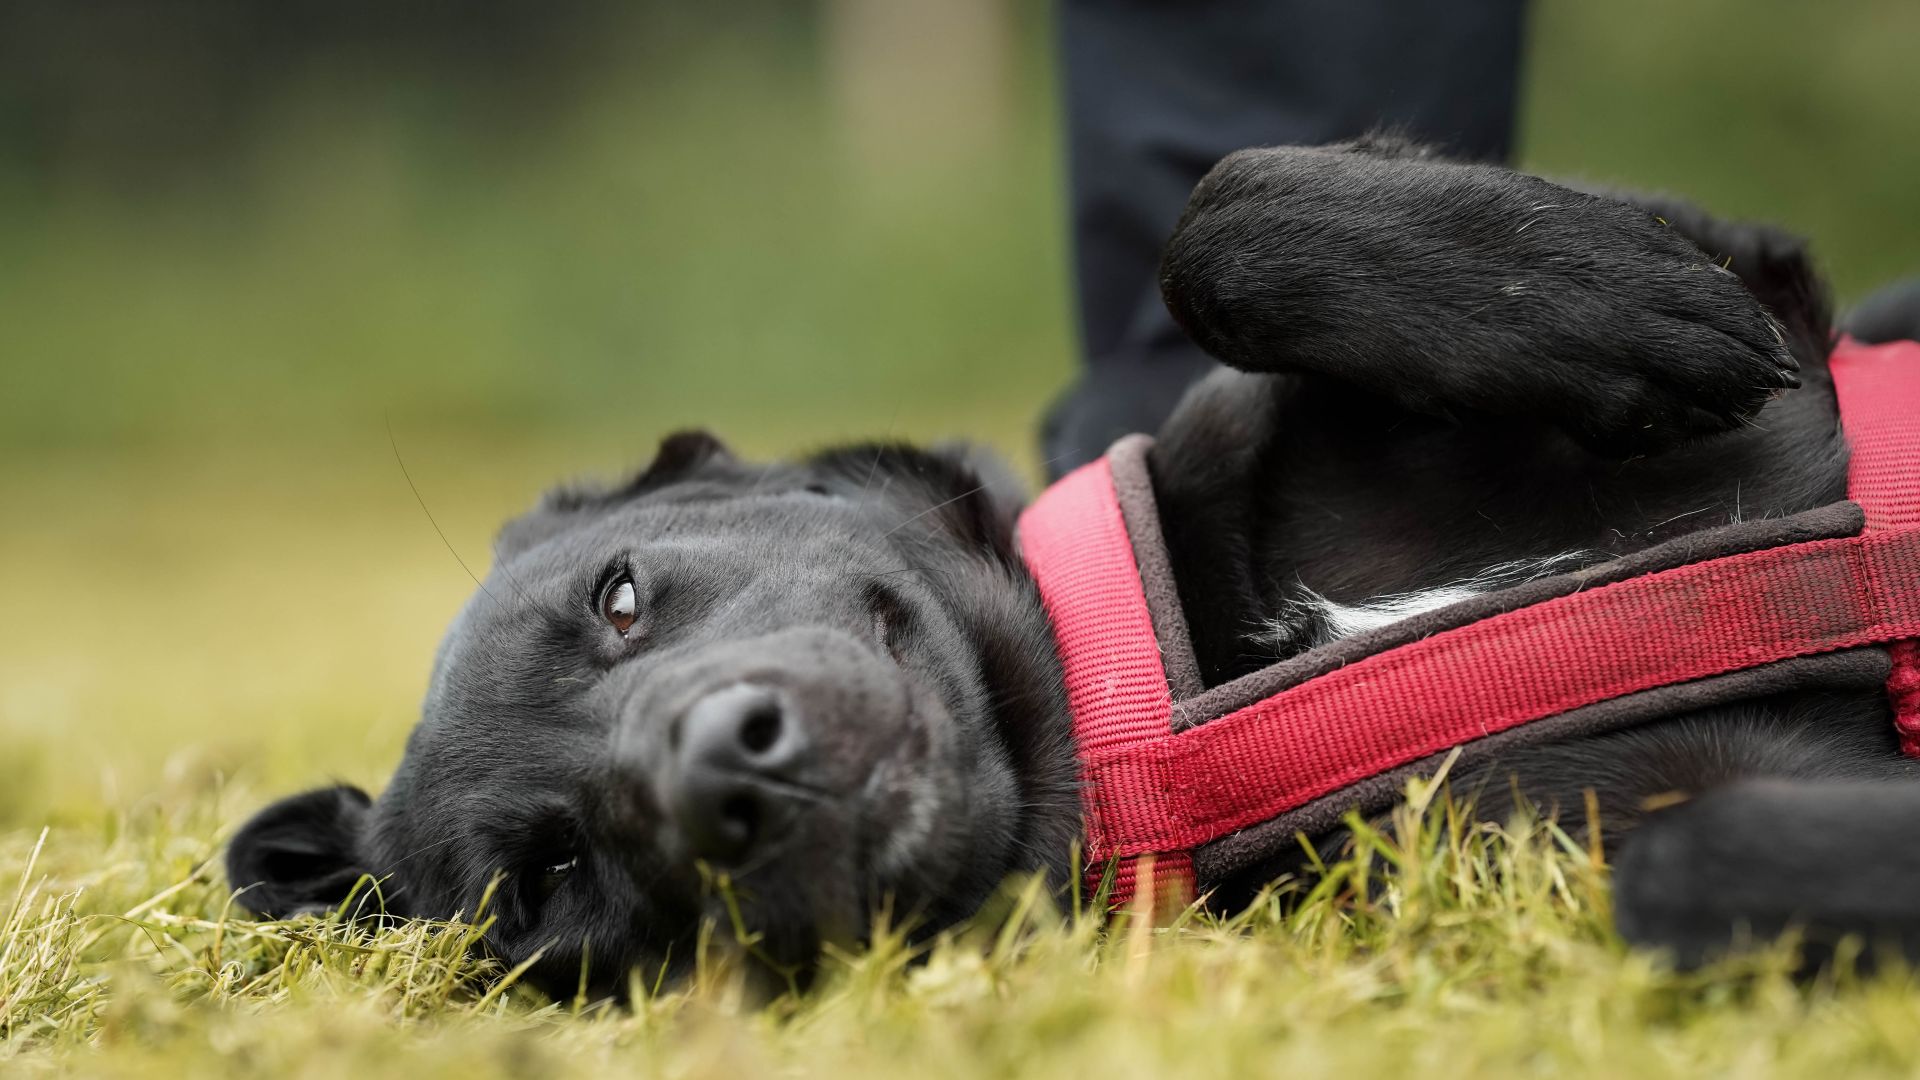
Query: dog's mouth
(903,800)
(844,862)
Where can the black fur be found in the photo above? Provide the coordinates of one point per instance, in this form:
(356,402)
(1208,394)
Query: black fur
(1629,392)
(875,589)
(1441,367)
(1758,856)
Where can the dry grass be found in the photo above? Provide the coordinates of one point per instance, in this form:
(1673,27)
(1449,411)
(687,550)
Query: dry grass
(1465,949)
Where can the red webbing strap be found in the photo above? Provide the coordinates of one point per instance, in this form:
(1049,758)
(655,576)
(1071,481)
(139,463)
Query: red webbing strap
(1151,792)
(1074,540)
(1878,387)
(1383,711)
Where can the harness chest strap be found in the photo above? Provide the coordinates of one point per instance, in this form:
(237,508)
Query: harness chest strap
(1154,793)
(1878,387)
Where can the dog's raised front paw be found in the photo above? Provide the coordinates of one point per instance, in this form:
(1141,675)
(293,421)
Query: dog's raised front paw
(1469,288)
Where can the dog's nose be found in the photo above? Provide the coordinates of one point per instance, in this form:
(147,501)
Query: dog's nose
(734,752)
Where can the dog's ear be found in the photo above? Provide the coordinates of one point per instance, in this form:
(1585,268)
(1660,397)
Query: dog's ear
(995,492)
(956,489)
(680,456)
(302,854)
(996,474)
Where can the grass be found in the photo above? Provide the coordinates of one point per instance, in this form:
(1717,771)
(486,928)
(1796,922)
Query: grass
(1471,949)
(218,587)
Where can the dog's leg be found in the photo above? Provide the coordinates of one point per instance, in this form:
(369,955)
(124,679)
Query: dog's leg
(1459,289)
(1755,859)
(1740,823)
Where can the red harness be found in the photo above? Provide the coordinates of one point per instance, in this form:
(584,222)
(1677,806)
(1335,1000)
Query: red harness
(1174,772)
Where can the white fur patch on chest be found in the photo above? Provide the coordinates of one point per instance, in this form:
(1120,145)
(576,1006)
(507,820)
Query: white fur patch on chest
(1313,620)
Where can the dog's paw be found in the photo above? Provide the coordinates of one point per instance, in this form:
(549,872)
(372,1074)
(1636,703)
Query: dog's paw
(1651,343)
(1462,289)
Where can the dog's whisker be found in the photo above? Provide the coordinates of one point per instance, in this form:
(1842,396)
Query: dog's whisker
(760,479)
(942,505)
(423,849)
(415,488)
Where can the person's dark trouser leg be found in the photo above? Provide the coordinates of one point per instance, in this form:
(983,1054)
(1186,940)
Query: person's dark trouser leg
(1159,90)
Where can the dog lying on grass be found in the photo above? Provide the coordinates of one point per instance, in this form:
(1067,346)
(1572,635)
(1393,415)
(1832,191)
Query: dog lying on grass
(833,680)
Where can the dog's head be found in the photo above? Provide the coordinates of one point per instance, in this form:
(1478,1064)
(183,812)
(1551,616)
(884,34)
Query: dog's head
(804,690)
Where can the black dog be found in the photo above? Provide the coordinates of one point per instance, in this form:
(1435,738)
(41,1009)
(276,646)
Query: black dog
(832,681)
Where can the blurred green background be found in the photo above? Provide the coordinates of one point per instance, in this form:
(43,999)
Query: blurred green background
(240,243)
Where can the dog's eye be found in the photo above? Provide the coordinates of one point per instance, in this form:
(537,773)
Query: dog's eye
(619,606)
(553,874)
